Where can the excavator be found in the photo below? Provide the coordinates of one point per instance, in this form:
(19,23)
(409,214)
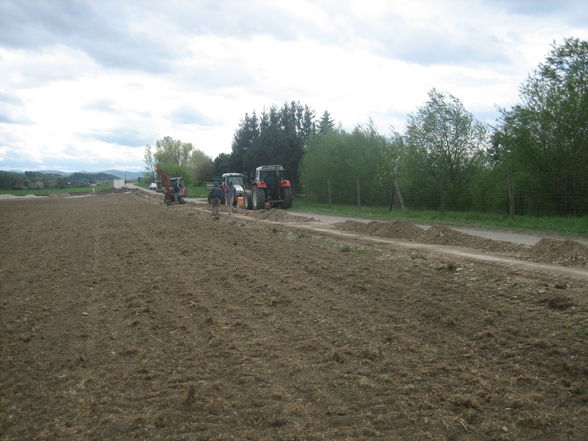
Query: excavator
(174,190)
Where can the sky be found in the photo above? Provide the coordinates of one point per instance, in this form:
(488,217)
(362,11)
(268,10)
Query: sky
(87,84)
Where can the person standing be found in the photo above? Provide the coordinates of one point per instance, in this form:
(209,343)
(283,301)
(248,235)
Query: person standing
(214,199)
(231,195)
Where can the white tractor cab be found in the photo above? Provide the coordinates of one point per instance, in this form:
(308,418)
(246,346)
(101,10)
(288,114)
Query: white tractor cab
(238,181)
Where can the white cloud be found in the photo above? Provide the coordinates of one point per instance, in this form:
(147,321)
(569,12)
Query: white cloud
(95,81)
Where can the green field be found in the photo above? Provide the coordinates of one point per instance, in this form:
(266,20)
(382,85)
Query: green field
(46,191)
(197,191)
(574,226)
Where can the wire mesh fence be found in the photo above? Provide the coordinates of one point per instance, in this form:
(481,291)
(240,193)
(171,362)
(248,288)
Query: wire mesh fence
(501,191)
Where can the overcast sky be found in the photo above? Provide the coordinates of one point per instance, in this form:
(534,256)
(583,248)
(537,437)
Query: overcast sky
(85,85)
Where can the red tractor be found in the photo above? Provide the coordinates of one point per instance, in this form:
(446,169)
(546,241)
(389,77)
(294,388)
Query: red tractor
(269,188)
(174,190)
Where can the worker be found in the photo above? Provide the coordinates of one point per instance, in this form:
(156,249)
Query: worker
(214,198)
(269,180)
(231,195)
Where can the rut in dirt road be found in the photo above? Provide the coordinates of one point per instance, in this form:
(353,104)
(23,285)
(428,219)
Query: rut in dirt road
(124,319)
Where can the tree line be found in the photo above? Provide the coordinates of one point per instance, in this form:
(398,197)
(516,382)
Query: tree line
(533,160)
(45,180)
(178,158)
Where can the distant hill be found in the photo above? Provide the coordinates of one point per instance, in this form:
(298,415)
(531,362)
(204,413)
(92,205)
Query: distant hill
(121,174)
(86,177)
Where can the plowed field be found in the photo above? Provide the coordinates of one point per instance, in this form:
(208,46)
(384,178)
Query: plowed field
(123,319)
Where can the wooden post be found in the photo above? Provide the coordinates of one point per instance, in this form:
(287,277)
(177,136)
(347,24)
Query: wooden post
(358,187)
(511,203)
(397,188)
(329,192)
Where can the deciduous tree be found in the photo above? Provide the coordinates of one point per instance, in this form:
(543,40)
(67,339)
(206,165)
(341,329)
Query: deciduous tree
(201,167)
(545,138)
(448,142)
(172,151)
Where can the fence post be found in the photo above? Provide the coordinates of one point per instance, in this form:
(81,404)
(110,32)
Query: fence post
(400,199)
(329,191)
(358,187)
(511,203)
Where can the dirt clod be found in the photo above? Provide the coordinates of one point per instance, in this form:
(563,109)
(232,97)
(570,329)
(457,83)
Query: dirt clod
(560,302)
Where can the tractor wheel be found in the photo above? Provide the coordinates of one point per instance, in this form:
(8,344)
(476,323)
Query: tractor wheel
(257,199)
(287,197)
(247,199)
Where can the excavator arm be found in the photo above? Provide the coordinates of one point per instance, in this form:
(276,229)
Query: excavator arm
(164,178)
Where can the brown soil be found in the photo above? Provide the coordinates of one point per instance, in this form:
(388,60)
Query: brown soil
(396,229)
(563,252)
(559,252)
(122,319)
(276,215)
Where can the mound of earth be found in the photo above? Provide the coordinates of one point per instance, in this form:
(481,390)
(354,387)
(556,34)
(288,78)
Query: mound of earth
(276,215)
(396,229)
(552,251)
(437,234)
(562,252)
(443,235)
(350,225)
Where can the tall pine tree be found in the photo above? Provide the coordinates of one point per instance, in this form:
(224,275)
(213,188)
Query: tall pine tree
(278,136)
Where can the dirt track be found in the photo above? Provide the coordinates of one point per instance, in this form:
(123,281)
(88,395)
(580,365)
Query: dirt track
(125,319)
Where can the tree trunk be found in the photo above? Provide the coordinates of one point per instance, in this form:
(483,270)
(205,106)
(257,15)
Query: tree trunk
(358,187)
(329,192)
(400,199)
(511,204)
